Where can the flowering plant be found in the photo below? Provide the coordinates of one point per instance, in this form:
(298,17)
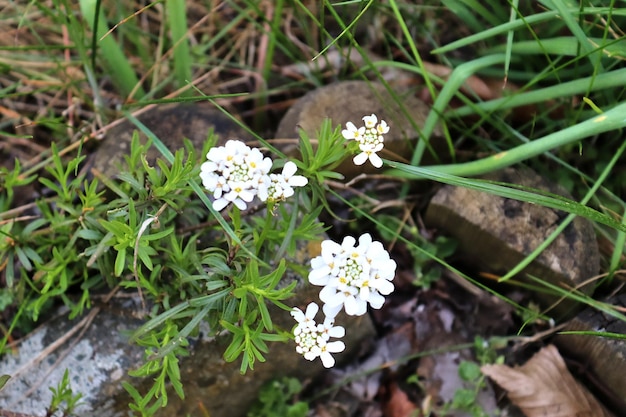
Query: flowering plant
(369,138)
(226,272)
(353,277)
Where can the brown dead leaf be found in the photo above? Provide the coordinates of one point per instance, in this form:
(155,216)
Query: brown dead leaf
(399,404)
(544,387)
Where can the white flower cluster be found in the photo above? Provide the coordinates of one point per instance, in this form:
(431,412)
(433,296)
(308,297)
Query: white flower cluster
(312,339)
(236,173)
(370,139)
(353,277)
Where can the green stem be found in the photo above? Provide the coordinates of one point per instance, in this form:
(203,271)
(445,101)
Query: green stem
(114,60)
(451,87)
(613,79)
(610,120)
(261,102)
(177,20)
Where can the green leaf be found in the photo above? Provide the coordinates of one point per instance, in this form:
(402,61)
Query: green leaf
(535,196)
(120,262)
(158,235)
(299,409)
(34,225)
(240,292)
(265,314)
(23,258)
(173,372)
(235,348)
(469,371)
(609,335)
(215,284)
(464,399)
(89,234)
(144,254)
(211,299)
(3,380)
(117,66)
(565,45)
(272,337)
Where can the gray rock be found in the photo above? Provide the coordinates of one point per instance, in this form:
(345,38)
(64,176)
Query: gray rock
(170,123)
(496,233)
(349,101)
(99,361)
(602,360)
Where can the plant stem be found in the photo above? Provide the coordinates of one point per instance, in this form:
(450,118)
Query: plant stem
(177,20)
(451,87)
(610,120)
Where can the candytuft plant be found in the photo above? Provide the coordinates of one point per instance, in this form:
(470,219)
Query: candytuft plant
(207,236)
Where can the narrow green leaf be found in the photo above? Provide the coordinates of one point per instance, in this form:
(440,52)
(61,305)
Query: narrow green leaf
(3,380)
(177,20)
(265,314)
(120,263)
(116,63)
(234,349)
(23,258)
(566,205)
(610,335)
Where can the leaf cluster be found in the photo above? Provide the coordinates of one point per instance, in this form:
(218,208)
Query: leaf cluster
(278,398)
(64,400)
(150,232)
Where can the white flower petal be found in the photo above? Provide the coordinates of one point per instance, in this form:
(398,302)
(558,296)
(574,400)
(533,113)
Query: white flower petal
(246,195)
(370,121)
(332,311)
(240,204)
(348,243)
(375,160)
(376,300)
(335,347)
(383,286)
(360,158)
(287,192)
(330,296)
(347,134)
(337,331)
(311,311)
(327,360)
(365,240)
(350,132)
(330,248)
(319,276)
(298,181)
(382,128)
(289,169)
(353,306)
(364,294)
(220,203)
(265,166)
(297,314)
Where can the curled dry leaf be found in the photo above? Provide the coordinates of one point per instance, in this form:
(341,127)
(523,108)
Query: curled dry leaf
(544,387)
